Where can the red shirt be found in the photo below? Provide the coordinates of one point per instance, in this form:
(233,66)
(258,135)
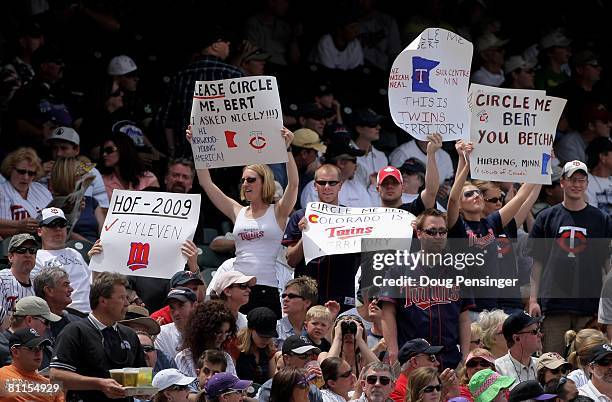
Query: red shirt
(399,393)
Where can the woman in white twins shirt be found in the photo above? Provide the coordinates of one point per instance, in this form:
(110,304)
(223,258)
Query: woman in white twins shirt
(259,227)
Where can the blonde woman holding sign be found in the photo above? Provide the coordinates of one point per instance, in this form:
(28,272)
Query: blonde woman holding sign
(259,227)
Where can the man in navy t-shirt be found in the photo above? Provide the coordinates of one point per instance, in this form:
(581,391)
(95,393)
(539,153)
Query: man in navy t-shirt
(570,249)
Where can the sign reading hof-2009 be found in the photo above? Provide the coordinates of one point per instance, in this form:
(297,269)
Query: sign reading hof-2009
(428,86)
(143,233)
(236,122)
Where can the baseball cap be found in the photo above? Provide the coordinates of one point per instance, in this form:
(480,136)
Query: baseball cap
(599,145)
(27,337)
(415,347)
(485,356)
(121,65)
(323,88)
(412,165)
(551,361)
(592,111)
(365,117)
(584,57)
(528,390)
(257,54)
(572,167)
(34,306)
(299,345)
(488,41)
(49,215)
(336,132)
(514,62)
(600,352)
(309,139)
(213,34)
(389,171)
(554,38)
(30,29)
(140,316)
(313,111)
(516,322)
(341,150)
(18,239)
(223,382)
(486,384)
(229,278)
(182,277)
(263,321)
(169,377)
(65,134)
(181,294)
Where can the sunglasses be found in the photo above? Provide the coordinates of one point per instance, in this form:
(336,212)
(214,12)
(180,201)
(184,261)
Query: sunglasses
(242,286)
(26,172)
(109,150)
(559,370)
(177,388)
(248,180)
(291,296)
(56,224)
(478,363)
(604,362)
(431,388)
(495,200)
(323,183)
(559,388)
(476,341)
(435,231)
(23,250)
(373,379)
(148,348)
(431,358)
(304,356)
(208,371)
(470,193)
(346,374)
(46,322)
(532,332)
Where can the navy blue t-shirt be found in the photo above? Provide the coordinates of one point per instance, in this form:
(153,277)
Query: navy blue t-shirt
(572,247)
(509,297)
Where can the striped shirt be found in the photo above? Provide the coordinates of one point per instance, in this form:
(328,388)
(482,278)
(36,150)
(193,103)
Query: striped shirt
(14,207)
(11,290)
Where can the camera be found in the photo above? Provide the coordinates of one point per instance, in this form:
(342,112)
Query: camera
(348,327)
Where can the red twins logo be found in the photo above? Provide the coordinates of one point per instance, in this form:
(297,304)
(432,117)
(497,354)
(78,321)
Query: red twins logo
(139,256)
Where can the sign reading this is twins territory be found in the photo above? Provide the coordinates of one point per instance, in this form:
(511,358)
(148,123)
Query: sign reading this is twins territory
(143,233)
(428,86)
(236,122)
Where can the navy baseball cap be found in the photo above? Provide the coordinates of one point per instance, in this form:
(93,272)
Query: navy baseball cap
(516,322)
(27,337)
(299,345)
(183,277)
(415,347)
(366,117)
(528,390)
(181,294)
(600,352)
(224,382)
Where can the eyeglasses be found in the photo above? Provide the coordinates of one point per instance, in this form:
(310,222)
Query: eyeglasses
(559,370)
(435,231)
(26,172)
(431,388)
(470,193)
(431,358)
(532,332)
(242,286)
(224,334)
(323,183)
(56,224)
(109,150)
(373,379)
(604,362)
(43,320)
(148,348)
(177,388)
(576,180)
(478,363)
(346,374)
(495,200)
(208,371)
(248,180)
(476,341)
(291,296)
(23,250)
(242,392)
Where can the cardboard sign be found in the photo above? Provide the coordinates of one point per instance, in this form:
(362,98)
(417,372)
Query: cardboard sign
(340,230)
(143,233)
(237,122)
(513,132)
(428,86)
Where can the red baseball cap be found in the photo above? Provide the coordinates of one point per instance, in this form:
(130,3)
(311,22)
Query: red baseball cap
(389,171)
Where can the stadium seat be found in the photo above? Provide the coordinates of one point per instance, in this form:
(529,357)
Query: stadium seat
(81,246)
(208,273)
(5,245)
(209,234)
(208,258)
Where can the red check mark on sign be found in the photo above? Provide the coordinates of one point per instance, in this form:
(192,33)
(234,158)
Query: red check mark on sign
(107,228)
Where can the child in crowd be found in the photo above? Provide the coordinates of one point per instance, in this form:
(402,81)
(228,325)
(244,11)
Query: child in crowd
(317,326)
(210,363)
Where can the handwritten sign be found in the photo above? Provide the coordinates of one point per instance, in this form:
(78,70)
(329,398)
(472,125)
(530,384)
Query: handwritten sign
(143,233)
(236,122)
(513,132)
(340,230)
(428,86)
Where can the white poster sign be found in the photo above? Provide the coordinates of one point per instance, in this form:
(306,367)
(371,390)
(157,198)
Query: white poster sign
(513,132)
(237,122)
(143,233)
(428,86)
(340,230)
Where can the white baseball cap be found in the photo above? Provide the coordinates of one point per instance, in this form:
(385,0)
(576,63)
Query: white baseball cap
(514,62)
(121,65)
(169,377)
(554,38)
(65,134)
(489,40)
(228,278)
(48,215)
(572,167)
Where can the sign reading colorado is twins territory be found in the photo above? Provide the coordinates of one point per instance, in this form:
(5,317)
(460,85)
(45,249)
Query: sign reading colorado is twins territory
(143,233)
(340,230)
(236,122)
(428,86)
(513,132)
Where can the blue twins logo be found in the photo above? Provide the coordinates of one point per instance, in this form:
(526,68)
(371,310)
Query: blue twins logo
(420,74)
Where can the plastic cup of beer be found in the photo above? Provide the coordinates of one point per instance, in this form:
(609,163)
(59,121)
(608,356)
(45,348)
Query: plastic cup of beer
(130,377)
(117,375)
(145,376)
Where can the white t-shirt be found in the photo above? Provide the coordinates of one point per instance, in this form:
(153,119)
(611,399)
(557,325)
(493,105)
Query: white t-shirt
(599,193)
(168,340)
(485,77)
(328,55)
(589,390)
(241,321)
(352,194)
(78,273)
(11,290)
(411,150)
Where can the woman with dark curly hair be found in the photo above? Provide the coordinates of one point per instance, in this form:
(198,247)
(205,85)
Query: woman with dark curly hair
(121,166)
(210,325)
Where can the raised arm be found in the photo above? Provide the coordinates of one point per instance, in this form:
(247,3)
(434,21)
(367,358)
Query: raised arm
(525,209)
(222,202)
(289,198)
(432,178)
(463,168)
(509,210)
